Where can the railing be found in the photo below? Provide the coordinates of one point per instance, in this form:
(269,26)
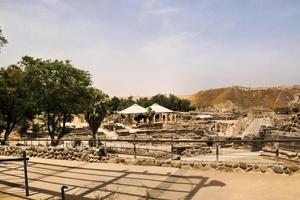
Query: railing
(24,159)
(170,147)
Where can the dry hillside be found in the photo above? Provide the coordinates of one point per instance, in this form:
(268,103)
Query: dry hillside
(245,98)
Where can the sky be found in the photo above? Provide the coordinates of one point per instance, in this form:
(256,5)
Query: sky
(145,47)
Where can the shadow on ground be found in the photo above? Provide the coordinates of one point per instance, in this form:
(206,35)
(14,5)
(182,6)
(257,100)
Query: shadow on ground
(45,181)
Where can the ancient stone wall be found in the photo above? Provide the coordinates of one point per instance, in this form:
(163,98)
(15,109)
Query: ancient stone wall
(286,155)
(91,155)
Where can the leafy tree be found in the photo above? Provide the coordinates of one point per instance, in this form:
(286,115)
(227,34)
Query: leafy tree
(23,127)
(150,114)
(126,102)
(59,90)
(96,110)
(114,104)
(161,100)
(14,99)
(172,102)
(144,101)
(3,40)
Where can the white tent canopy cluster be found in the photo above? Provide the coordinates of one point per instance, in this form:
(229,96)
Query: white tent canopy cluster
(162,114)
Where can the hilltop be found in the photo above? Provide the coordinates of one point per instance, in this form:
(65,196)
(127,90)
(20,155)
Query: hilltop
(244,97)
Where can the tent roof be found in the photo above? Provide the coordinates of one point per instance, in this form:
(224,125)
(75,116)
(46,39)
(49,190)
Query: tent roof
(160,109)
(134,109)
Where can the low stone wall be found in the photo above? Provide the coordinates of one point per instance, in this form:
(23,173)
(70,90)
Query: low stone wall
(139,152)
(287,155)
(196,152)
(91,155)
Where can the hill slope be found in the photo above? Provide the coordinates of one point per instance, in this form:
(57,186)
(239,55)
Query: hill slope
(245,98)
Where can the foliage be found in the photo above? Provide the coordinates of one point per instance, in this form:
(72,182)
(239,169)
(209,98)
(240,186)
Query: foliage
(97,109)
(3,40)
(59,91)
(36,128)
(172,102)
(114,104)
(150,114)
(14,98)
(23,127)
(55,91)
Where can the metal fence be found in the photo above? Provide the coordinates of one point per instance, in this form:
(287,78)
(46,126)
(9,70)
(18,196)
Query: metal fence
(213,150)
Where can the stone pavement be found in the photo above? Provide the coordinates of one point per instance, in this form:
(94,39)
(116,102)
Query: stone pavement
(114,181)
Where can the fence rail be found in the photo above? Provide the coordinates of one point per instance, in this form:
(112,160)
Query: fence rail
(25,159)
(157,141)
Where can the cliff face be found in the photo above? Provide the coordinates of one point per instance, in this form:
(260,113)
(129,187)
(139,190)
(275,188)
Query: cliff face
(246,98)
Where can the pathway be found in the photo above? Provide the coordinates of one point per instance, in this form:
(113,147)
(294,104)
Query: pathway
(113,181)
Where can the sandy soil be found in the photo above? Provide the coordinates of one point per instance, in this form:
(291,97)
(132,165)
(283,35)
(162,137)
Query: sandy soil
(113,181)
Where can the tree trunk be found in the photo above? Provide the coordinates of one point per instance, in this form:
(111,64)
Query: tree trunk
(5,138)
(53,142)
(94,139)
(8,130)
(63,131)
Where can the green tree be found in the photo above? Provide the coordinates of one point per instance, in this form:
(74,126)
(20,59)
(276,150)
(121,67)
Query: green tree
(126,102)
(59,90)
(150,114)
(114,104)
(144,101)
(172,102)
(3,40)
(14,99)
(96,110)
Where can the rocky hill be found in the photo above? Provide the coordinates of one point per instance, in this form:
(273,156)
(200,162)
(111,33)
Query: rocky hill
(246,98)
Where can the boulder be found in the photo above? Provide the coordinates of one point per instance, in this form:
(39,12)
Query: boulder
(176,164)
(288,171)
(158,163)
(263,168)
(130,162)
(249,169)
(197,166)
(228,164)
(278,169)
(293,168)
(235,165)
(148,162)
(213,165)
(243,165)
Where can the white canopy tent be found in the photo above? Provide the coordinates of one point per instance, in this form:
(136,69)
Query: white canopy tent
(134,109)
(160,109)
(162,114)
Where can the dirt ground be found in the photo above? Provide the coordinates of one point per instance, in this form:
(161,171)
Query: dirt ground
(114,181)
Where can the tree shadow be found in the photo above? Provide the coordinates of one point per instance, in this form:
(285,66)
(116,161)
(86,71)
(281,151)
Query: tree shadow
(164,183)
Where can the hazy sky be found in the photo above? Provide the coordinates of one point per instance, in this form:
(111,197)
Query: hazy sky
(144,47)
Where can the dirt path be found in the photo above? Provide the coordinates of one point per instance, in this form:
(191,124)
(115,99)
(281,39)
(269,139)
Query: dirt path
(113,181)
